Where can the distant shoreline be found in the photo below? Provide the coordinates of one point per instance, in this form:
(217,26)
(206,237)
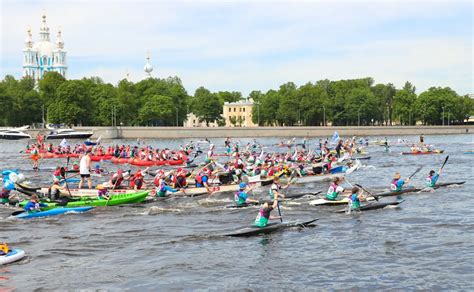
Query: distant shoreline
(259,132)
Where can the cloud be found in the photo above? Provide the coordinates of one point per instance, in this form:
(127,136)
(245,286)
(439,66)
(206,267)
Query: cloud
(246,45)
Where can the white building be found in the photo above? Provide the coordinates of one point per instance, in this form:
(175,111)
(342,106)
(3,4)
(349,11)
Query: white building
(192,121)
(44,55)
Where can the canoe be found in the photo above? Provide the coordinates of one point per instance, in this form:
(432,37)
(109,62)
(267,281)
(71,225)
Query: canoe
(52,212)
(423,152)
(373,206)
(101,157)
(115,199)
(270,228)
(91,192)
(12,256)
(120,160)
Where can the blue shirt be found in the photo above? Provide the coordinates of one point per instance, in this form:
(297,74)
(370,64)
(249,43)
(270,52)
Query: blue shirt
(31,206)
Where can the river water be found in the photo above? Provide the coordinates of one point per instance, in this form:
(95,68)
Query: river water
(425,244)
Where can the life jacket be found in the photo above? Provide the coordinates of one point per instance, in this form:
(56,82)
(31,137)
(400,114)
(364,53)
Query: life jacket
(198,179)
(332,192)
(394,185)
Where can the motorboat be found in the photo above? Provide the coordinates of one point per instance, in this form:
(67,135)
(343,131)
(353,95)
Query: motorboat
(68,134)
(11,134)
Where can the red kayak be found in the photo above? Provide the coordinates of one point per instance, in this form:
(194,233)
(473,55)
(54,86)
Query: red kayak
(423,152)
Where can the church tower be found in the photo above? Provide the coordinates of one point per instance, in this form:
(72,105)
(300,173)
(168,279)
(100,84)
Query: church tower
(30,66)
(44,55)
(59,56)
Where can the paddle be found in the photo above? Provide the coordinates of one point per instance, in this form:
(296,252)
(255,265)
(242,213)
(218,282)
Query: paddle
(416,171)
(18,212)
(370,193)
(446,160)
(63,174)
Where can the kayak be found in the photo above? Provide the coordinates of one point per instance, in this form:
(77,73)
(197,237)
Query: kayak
(413,190)
(234,206)
(52,212)
(12,256)
(320,202)
(423,152)
(361,158)
(311,178)
(270,228)
(115,199)
(373,206)
(287,198)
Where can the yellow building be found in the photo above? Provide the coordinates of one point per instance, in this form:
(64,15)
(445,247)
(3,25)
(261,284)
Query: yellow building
(238,114)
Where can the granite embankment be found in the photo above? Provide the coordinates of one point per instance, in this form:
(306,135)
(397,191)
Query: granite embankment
(180,132)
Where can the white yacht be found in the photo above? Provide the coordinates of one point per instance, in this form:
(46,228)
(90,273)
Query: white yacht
(68,134)
(12,134)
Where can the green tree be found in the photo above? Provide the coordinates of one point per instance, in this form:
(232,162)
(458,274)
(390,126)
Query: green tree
(158,110)
(206,105)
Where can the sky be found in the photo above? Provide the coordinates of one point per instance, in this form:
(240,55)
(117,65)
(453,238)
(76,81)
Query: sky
(252,45)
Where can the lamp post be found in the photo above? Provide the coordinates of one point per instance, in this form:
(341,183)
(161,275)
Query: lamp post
(42,115)
(176,116)
(409,118)
(443,115)
(358,118)
(324,115)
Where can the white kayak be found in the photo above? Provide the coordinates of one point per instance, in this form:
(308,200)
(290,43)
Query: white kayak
(12,256)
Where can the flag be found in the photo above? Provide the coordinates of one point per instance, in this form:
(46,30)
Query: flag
(335,137)
(64,143)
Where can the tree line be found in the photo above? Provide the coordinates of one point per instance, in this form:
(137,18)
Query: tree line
(165,102)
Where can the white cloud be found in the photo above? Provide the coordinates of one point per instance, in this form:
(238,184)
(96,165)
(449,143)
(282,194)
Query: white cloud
(245,45)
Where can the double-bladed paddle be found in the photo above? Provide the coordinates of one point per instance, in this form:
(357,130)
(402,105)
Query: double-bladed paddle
(445,160)
(18,212)
(416,171)
(370,193)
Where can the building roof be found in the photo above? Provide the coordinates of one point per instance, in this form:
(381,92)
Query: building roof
(240,102)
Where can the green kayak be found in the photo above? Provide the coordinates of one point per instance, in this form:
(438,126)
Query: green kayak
(116,199)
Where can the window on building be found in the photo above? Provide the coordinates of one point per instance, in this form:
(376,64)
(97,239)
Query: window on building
(243,110)
(230,110)
(235,109)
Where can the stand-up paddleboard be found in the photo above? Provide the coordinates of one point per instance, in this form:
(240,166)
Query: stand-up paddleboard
(12,256)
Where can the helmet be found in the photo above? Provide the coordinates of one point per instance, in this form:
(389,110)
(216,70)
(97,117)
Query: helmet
(242,185)
(97,166)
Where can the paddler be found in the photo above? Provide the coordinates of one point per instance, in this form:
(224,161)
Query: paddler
(33,204)
(116,180)
(202,179)
(85,170)
(432,178)
(35,157)
(264,213)
(335,189)
(137,181)
(164,188)
(241,197)
(355,198)
(5,196)
(275,189)
(397,182)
